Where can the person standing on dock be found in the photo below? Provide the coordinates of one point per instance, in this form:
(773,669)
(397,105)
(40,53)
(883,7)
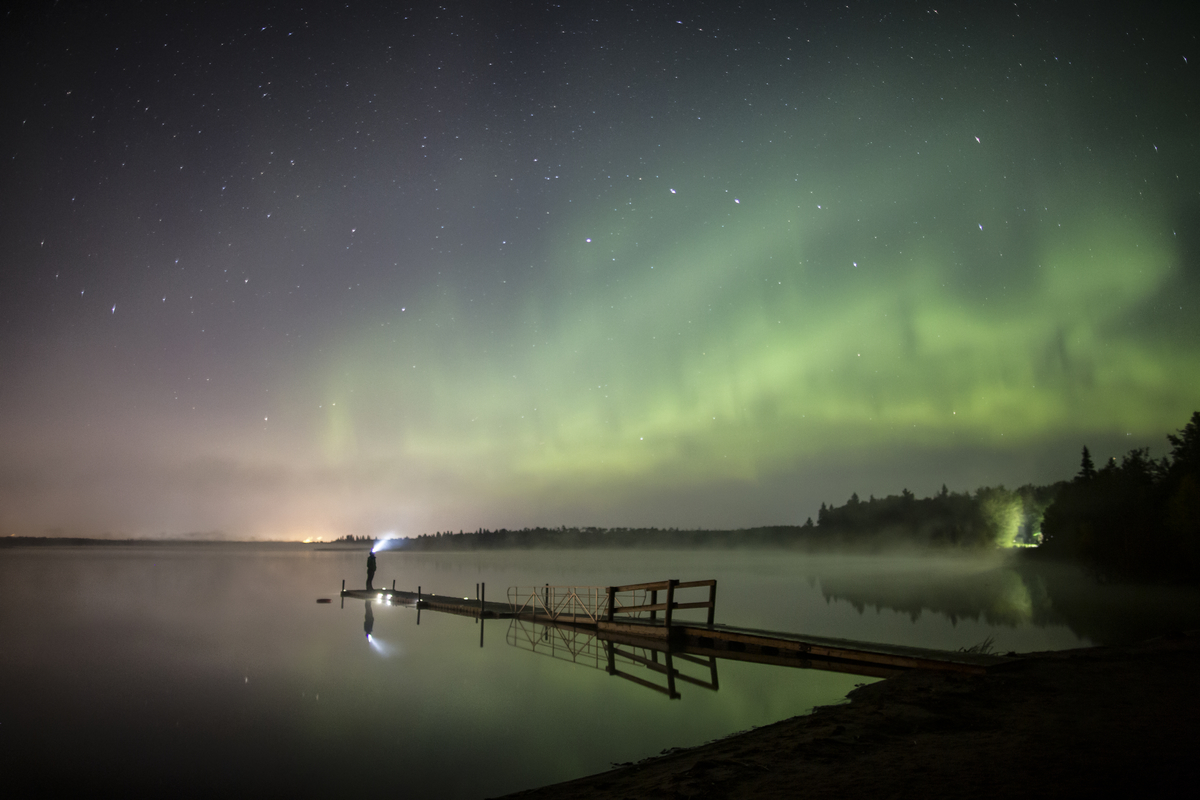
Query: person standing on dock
(370,569)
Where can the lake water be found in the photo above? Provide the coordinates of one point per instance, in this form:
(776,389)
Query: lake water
(204,669)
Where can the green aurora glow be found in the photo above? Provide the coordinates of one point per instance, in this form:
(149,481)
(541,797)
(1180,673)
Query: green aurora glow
(711,271)
(720,354)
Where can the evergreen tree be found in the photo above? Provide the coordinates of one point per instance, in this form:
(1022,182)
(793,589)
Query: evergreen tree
(1183,497)
(1185,448)
(1139,519)
(1087,470)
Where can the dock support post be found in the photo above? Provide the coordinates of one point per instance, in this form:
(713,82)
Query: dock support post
(670,602)
(343,584)
(482,592)
(612,602)
(653,602)
(393,584)
(712,603)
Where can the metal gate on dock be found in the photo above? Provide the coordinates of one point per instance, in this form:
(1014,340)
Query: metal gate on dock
(576,604)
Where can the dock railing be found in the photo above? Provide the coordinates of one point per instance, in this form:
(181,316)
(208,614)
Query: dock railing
(594,604)
(669,607)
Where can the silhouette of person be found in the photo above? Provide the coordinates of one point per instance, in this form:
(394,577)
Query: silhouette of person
(370,569)
(368,620)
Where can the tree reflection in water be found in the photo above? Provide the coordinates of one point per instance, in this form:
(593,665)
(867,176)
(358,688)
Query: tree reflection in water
(1021,592)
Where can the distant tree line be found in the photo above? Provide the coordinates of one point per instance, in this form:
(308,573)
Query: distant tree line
(1139,519)
(990,517)
(13,540)
(592,537)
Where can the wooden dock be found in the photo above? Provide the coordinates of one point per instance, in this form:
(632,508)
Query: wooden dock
(635,621)
(462,606)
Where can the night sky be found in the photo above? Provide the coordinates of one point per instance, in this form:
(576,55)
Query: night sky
(272,272)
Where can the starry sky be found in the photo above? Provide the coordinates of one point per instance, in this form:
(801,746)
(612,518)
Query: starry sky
(362,268)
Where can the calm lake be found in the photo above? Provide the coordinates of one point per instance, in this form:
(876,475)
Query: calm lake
(206,669)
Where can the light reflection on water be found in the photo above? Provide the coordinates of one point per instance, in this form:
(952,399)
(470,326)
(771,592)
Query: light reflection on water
(206,668)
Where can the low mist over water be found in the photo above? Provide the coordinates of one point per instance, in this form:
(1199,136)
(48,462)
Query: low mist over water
(211,668)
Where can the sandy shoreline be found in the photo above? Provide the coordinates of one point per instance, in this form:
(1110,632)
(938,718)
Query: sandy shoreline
(1066,723)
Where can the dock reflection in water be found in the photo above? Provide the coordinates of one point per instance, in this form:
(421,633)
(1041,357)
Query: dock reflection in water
(590,649)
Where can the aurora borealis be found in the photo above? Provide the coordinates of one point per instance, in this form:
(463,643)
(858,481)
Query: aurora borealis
(358,268)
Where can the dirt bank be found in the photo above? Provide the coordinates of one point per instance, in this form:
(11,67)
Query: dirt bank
(1068,723)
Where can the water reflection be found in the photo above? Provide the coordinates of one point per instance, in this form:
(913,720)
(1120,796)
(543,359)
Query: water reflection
(998,596)
(588,648)
(368,620)
(1110,613)
(1022,592)
(204,663)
